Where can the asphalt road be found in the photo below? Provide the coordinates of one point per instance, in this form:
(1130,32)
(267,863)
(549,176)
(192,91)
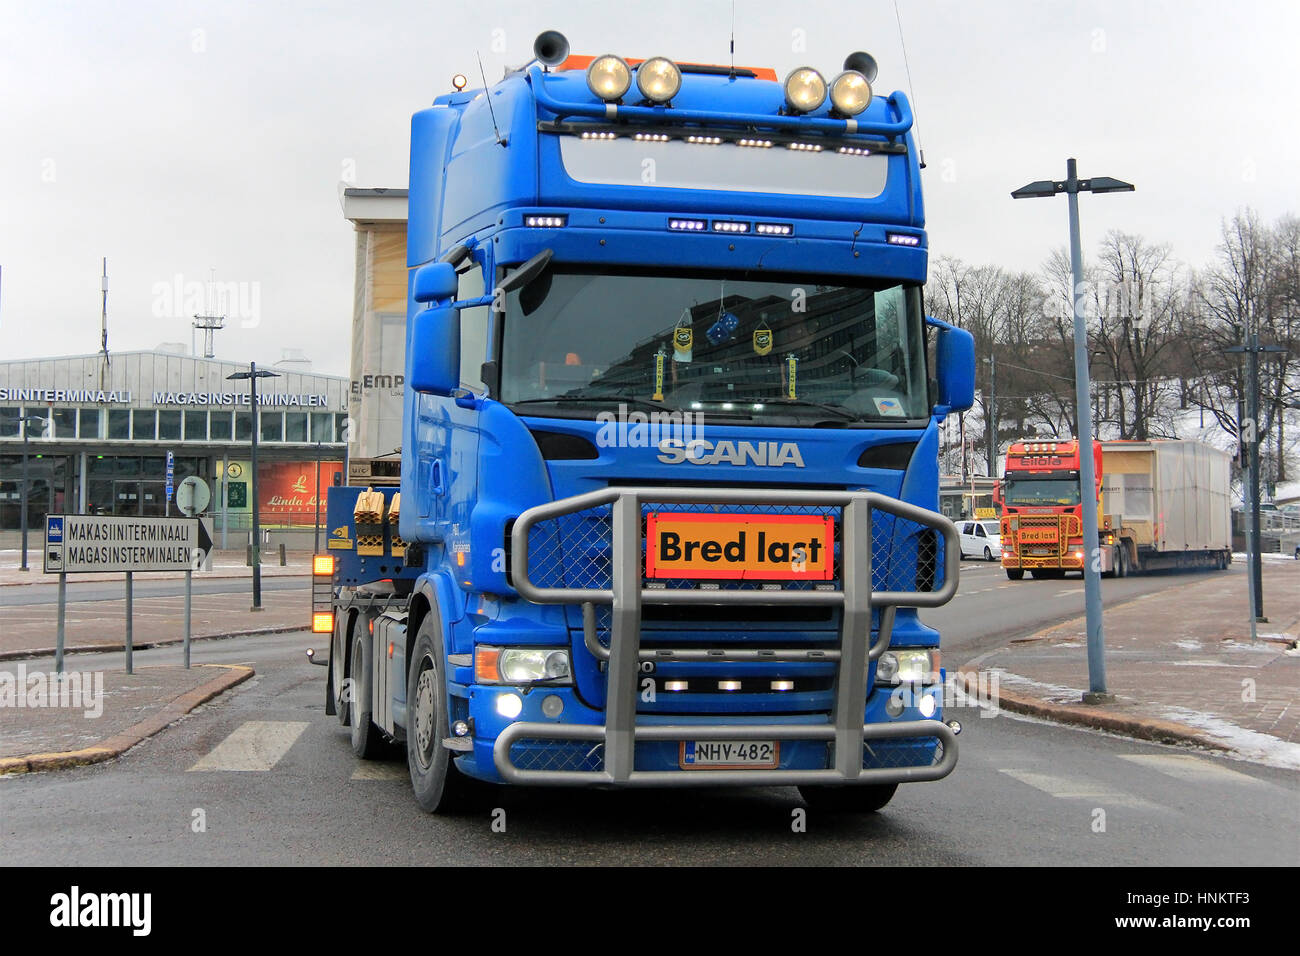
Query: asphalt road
(143,587)
(1024,792)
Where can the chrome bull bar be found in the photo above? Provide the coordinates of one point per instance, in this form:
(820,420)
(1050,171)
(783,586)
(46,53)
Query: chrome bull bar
(856,598)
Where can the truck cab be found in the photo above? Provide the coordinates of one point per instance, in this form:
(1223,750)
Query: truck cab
(669,484)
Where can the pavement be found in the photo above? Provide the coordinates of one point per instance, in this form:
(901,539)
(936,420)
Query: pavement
(1180,668)
(99,624)
(1179,663)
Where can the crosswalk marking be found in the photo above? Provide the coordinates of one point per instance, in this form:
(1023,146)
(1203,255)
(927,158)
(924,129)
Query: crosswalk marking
(1066,788)
(254,745)
(381,771)
(1187,767)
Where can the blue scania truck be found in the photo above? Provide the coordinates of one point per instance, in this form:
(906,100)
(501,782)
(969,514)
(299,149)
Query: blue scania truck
(669,474)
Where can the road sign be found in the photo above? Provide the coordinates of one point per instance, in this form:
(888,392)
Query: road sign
(171,473)
(193,496)
(84,543)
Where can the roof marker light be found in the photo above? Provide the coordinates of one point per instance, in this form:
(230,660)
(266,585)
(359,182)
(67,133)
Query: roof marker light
(760,143)
(854,151)
(652,137)
(546,222)
(726,225)
(676,685)
(773,229)
(687,225)
(805,147)
(705,140)
(902,239)
(599,134)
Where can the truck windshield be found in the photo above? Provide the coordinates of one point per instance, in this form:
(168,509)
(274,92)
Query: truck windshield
(1042,491)
(769,350)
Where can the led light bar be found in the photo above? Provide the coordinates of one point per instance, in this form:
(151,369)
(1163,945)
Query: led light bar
(760,143)
(688,225)
(728,685)
(728,225)
(652,137)
(806,147)
(774,228)
(598,134)
(676,685)
(902,239)
(854,151)
(546,222)
(782,685)
(704,140)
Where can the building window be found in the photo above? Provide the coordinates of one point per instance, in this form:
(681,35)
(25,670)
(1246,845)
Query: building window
(9,422)
(219,423)
(65,422)
(169,426)
(119,424)
(322,426)
(153,467)
(243,426)
(295,426)
(144,425)
(90,424)
(272,426)
(196,426)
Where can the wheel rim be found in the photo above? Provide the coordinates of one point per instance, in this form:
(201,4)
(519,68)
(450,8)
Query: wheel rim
(355,703)
(426,714)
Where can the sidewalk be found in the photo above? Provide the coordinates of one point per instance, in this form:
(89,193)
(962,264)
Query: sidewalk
(30,630)
(1180,665)
(91,716)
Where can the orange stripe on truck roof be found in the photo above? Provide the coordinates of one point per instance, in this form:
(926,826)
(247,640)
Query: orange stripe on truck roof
(576,62)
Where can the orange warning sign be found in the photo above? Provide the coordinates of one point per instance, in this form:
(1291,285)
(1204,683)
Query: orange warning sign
(770,547)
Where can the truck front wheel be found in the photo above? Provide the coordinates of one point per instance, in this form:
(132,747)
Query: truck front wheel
(1015,574)
(439,787)
(851,799)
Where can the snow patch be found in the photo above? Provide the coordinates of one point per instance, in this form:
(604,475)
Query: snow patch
(1248,744)
(1188,645)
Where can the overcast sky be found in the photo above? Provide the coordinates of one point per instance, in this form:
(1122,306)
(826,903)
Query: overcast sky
(177,138)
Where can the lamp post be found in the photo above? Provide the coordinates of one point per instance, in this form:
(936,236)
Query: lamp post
(253,374)
(29,422)
(991,414)
(1072,185)
(316,537)
(1248,436)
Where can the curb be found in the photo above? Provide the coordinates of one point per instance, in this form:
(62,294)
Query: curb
(118,744)
(149,645)
(206,576)
(1098,718)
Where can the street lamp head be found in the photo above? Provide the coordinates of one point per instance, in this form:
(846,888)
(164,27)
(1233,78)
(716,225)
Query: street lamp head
(1037,190)
(1104,184)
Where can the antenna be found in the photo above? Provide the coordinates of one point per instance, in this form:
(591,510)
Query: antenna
(104,364)
(733,39)
(209,323)
(488,94)
(916,113)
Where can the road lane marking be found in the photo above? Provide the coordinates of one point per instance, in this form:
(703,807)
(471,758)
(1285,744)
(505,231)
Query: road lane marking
(1066,788)
(381,771)
(1186,767)
(254,745)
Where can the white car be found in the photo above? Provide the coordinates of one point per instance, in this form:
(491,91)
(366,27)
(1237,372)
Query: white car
(980,539)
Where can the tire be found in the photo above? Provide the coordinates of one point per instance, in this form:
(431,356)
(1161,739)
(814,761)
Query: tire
(438,786)
(850,799)
(1121,562)
(339,650)
(367,740)
(988,553)
(1015,574)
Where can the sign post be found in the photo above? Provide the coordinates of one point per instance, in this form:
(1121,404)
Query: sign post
(89,543)
(192,499)
(171,475)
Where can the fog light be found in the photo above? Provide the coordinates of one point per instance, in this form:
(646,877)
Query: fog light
(609,77)
(658,79)
(927,706)
(805,90)
(509,706)
(460,729)
(552,706)
(894,706)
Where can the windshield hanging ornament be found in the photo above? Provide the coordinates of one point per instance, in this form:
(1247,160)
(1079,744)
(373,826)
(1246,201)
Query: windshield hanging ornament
(792,375)
(762,339)
(659,375)
(683,338)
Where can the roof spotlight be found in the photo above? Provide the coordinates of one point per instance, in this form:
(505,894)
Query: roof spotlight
(805,90)
(609,77)
(850,93)
(658,79)
(459,82)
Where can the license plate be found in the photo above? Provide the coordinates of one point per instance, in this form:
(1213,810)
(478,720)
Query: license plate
(765,547)
(725,754)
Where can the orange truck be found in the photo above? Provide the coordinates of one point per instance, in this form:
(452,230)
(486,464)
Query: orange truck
(1162,504)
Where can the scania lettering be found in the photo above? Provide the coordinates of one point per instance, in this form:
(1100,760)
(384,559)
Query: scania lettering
(549,599)
(701,452)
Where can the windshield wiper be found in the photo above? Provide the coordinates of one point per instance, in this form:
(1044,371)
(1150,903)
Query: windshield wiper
(602,397)
(842,413)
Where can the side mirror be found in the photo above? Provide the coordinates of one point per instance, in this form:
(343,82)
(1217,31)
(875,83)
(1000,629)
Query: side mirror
(433,355)
(954,367)
(434,281)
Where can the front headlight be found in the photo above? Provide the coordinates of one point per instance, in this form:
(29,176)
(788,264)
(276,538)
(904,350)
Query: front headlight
(521,665)
(805,90)
(609,77)
(850,93)
(658,79)
(906,666)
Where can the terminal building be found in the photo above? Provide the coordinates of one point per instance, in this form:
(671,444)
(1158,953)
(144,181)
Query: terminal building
(97,436)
